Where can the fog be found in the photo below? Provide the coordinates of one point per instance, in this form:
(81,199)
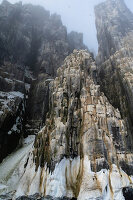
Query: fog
(77,15)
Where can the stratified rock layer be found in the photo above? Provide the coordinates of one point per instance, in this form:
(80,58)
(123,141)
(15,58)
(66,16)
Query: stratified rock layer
(81,150)
(114,24)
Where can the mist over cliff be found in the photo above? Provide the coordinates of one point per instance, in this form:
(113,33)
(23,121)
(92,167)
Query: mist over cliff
(66,121)
(69,11)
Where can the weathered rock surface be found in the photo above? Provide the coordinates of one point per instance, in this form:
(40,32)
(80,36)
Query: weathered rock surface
(14,83)
(33,197)
(10,121)
(114,24)
(81,150)
(29,36)
(37,197)
(84,150)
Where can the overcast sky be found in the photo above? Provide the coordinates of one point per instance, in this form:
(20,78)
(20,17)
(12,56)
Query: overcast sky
(77,15)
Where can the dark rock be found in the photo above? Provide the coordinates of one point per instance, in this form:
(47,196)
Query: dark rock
(5,197)
(29,36)
(128,193)
(37,197)
(11,122)
(115,62)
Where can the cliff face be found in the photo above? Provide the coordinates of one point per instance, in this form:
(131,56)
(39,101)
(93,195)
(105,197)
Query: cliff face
(82,143)
(30,36)
(114,23)
(33,44)
(84,149)
(14,85)
(115,58)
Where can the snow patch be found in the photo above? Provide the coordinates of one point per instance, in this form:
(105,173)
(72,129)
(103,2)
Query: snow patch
(29,139)
(9,174)
(100,185)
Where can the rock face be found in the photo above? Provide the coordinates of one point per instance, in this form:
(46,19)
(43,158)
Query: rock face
(84,150)
(33,44)
(14,84)
(81,150)
(30,36)
(114,24)
(10,121)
